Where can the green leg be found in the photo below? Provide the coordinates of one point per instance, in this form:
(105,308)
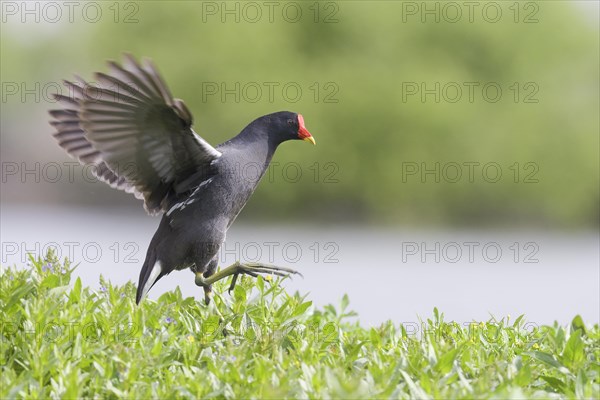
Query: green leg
(252,269)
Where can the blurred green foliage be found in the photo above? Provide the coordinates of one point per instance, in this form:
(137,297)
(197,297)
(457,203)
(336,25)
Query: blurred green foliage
(373,52)
(61,339)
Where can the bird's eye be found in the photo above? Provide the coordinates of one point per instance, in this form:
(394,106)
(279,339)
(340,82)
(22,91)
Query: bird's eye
(290,122)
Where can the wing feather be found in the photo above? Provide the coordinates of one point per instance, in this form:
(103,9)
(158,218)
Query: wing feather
(131,119)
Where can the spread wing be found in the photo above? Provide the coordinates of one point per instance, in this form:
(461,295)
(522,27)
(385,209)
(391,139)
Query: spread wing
(138,138)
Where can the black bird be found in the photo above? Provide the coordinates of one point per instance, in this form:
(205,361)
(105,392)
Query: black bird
(140,139)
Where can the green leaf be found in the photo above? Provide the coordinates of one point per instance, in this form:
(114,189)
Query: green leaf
(260,284)
(330,332)
(444,363)
(58,290)
(425,382)
(555,383)
(20,293)
(50,281)
(239,294)
(210,327)
(279,313)
(415,390)
(75,295)
(580,383)
(344,303)
(523,377)
(577,324)
(546,358)
(573,354)
(300,309)
(99,368)
(518,320)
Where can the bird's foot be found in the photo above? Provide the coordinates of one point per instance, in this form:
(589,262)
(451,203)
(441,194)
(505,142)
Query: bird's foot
(254,269)
(236,269)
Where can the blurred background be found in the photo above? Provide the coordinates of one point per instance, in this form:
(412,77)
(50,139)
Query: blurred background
(457,157)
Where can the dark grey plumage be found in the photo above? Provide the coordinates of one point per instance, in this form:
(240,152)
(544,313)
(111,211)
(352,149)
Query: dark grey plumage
(140,140)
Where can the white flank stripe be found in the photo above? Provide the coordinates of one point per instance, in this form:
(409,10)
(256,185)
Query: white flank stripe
(175,206)
(190,200)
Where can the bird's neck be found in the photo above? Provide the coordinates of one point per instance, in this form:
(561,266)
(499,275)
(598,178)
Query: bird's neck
(252,152)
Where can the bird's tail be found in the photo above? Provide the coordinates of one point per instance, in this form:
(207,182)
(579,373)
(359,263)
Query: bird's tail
(151,272)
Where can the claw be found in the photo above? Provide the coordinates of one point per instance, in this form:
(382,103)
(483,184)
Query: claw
(233,281)
(207,294)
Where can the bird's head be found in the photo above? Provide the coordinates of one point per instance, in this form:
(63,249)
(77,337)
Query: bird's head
(286,125)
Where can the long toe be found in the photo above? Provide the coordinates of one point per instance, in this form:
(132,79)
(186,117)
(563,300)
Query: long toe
(269,269)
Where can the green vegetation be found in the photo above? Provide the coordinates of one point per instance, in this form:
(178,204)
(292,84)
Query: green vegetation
(62,340)
(358,71)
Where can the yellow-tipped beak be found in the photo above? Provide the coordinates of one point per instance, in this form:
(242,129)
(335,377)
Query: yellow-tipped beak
(303,133)
(310,139)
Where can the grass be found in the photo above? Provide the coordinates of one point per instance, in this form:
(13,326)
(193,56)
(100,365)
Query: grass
(62,340)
